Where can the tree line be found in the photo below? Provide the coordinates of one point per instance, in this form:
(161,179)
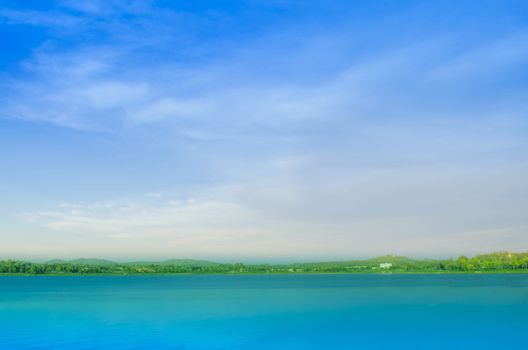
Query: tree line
(494,262)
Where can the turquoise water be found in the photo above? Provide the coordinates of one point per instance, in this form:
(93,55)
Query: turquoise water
(265,312)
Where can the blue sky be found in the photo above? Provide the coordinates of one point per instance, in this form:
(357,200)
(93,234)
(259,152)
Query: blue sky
(271,130)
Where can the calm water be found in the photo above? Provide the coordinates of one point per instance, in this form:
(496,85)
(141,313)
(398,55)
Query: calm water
(265,312)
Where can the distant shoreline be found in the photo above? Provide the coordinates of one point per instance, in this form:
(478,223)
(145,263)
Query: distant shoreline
(506,272)
(493,263)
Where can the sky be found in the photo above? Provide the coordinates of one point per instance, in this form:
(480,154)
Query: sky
(262,130)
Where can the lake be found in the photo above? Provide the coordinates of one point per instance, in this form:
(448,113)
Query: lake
(265,312)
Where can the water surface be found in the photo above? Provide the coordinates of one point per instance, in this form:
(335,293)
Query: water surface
(265,312)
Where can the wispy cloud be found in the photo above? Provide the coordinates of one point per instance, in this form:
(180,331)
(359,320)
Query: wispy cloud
(359,213)
(37,18)
(348,139)
(492,59)
(97,88)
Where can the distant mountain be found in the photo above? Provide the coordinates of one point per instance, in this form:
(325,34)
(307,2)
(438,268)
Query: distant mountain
(189,262)
(82,261)
(390,259)
(176,262)
(56,261)
(103,262)
(396,260)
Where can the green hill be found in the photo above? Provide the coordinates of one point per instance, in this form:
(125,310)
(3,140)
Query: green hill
(175,262)
(82,261)
(188,262)
(390,259)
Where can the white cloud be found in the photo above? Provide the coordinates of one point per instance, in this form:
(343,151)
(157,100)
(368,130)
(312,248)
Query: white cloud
(46,19)
(319,149)
(409,210)
(155,194)
(488,59)
(96,88)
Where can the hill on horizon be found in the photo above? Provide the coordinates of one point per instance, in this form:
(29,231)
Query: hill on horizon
(96,261)
(390,258)
(180,262)
(82,261)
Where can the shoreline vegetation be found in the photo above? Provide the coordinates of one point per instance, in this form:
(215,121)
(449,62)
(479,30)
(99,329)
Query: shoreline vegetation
(498,262)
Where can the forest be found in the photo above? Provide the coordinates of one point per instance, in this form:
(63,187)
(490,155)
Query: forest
(498,262)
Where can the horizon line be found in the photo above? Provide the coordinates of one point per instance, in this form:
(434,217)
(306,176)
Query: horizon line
(256,261)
